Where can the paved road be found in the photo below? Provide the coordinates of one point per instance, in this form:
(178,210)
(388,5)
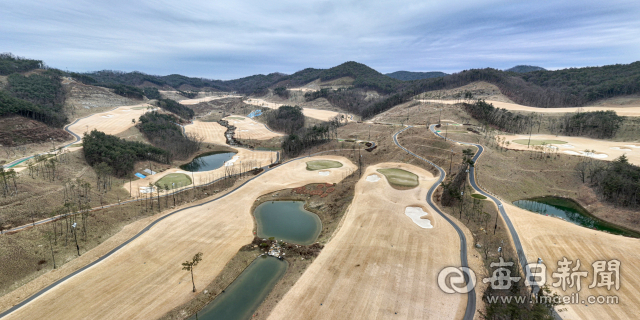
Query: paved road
(472,180)
(471,296)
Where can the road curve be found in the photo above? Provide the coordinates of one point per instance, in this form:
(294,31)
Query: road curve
(472,180)
(471,296)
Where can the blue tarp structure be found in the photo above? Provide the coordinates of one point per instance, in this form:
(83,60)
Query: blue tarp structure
(140,175)
(255,113)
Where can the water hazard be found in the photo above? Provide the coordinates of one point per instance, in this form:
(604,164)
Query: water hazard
(288,221)
(243,297)
(572,212)
(208,161)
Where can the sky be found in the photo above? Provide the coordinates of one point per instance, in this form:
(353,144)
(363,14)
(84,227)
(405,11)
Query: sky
(231,39)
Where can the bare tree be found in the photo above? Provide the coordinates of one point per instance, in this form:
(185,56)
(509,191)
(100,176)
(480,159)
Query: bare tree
(189,265)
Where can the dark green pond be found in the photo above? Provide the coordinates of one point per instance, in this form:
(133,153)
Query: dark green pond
(243,297)
(288,221)
(572,212)
(208,161)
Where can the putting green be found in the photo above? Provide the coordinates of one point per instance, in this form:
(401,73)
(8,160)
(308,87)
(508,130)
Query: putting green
(478,196)
(400,178)
(174,180)
(322,164)
(539,142)
(235,118)
(138,108)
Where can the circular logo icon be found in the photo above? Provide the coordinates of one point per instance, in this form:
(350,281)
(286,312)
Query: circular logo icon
(456,280)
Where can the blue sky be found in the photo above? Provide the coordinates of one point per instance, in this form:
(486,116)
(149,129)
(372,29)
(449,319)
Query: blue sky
(232,39)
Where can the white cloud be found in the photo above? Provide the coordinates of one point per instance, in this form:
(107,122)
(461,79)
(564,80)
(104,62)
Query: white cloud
(230,39)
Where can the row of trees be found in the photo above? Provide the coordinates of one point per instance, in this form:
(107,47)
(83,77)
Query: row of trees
(296,143)
(119,154)
(163,131)
(597,124)
(8,182)
(503,119)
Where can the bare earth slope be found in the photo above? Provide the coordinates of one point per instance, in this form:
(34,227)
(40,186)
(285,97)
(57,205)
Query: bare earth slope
(380,264)
(144,280)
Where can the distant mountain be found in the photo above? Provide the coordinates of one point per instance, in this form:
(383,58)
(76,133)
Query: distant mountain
(409,75)
(525,69)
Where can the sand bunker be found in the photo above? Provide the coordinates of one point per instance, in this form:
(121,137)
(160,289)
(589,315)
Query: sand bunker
(324,173)
(621,149)
(632,146)
(566,146)
(373,178)
(110,115)
(416,214)
(587,154)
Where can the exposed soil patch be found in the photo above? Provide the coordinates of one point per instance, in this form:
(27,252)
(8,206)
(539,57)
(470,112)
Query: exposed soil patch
(16,131)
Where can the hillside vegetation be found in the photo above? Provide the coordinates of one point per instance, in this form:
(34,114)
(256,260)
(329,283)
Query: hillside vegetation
(408,75)
(118,154)
(163,132)
(524,69)
(11,64)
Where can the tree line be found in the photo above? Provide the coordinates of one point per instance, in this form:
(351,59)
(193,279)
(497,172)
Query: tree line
(163,131)
(596,124)
(118,154)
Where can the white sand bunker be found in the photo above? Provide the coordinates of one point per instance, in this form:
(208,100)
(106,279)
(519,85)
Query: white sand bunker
(416,214)
(230,162)
(621,149)
(373,178)
(566,146)
(587,154)
(632,146)
(244,130)
(324,173)
(108,116)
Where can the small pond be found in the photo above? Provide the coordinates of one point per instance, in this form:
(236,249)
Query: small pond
(572,212)
(208,161)
(288,221)
(245,294)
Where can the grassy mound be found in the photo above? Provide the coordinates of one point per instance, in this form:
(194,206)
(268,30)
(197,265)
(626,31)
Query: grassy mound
(400,179)
(539,142)
(179,179)
(322,164)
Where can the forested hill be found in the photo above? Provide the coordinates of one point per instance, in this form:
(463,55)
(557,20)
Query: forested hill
(572,87)
(525,69)
(364,77)
(409,75)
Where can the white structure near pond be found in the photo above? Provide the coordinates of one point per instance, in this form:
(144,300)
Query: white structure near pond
(416,214)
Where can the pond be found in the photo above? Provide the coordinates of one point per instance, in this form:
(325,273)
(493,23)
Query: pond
(572,212)
(245,294)
(288,221)
(208,161)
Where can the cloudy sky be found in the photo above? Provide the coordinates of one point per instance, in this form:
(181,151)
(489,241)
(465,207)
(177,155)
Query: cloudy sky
(230,39)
